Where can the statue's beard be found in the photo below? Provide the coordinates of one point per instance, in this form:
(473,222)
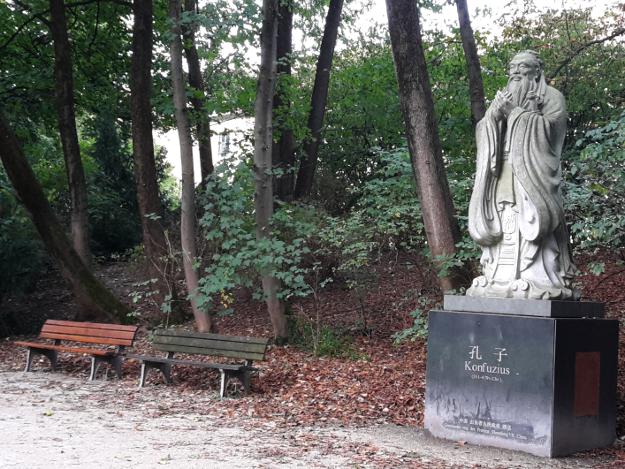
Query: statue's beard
(519,89)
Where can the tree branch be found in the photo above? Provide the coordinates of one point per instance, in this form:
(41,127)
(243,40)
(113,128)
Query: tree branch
(583,47)
(19,30)
(95,29)
(42,15)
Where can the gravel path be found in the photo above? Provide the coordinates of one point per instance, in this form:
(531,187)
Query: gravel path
(56,420)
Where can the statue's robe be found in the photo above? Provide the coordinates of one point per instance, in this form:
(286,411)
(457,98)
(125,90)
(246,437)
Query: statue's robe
(518,162)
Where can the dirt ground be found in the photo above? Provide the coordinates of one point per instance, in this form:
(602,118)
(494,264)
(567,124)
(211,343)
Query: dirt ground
(58,420)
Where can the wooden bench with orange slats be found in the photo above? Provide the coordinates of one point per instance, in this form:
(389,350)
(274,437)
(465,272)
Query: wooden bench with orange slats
(108,335)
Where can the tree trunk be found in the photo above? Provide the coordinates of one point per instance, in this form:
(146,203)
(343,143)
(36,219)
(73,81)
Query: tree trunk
(306,173)
(283,152)
(150,206)
(197,84)
(417,106)
(263,200)
(96,302)
(476,87)
(64,91)
(187,206)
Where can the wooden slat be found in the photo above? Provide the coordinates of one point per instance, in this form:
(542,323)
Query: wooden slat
(175,361)
(204,335)
(86,339)
(207,351)
(210,344)
(89,332)
(63,348)
(21,343)
(223,366)
(95,325)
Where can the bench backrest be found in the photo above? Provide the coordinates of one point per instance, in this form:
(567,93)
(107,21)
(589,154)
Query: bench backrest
(89,332)
(246,348)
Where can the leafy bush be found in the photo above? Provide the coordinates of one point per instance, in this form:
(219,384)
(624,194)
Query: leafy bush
(419,327)
(595,187)
(22,256)
(114,225)
(308,248)
(418,330)
(235,256)
(321,340)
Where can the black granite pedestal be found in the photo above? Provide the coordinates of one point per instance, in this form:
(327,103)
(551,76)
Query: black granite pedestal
(543,385)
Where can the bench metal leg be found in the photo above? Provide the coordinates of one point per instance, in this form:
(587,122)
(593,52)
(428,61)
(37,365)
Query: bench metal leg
(164,368)
(95,364)
(222,387)
(29,360)
(52,355)
(143,375)
(241,375)
(115,362)
(245,379)
(117,365)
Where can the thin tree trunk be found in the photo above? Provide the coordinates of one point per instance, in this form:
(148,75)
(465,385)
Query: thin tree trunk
(197,83)
(96,302)
(476,87)
(150,206)
(417,106)
(64,91)
(263,200)
(187,206)
(306,173)
(283,152)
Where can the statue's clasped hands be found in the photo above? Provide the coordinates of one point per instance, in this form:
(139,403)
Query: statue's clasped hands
(502,104)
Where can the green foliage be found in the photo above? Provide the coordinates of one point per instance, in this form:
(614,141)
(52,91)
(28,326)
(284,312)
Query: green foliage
(322,341)
(21,253)
(386,218)
(596,268)
(419,327)
(237,258)
(113,212)
(308,248)
(226,32)
(418,330)
(595,187)
(363,115)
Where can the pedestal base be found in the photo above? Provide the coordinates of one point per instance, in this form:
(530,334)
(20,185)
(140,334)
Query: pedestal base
(546,386)
(515,306)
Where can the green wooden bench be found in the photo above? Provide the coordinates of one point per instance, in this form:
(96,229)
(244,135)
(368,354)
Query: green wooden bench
(248,349)
(91,333)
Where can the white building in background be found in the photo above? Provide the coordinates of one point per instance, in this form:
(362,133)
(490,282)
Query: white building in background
(231,136)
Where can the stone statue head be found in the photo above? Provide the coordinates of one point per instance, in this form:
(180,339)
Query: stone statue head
(524,72)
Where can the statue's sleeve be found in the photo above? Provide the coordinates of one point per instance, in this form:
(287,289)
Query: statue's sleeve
(484,224)
(536,139)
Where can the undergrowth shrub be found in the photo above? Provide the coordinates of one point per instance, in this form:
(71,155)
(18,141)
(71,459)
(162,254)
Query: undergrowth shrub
(308,248)
(322,340)
(22,257)
(418,329)
(234,257)
(594,188)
